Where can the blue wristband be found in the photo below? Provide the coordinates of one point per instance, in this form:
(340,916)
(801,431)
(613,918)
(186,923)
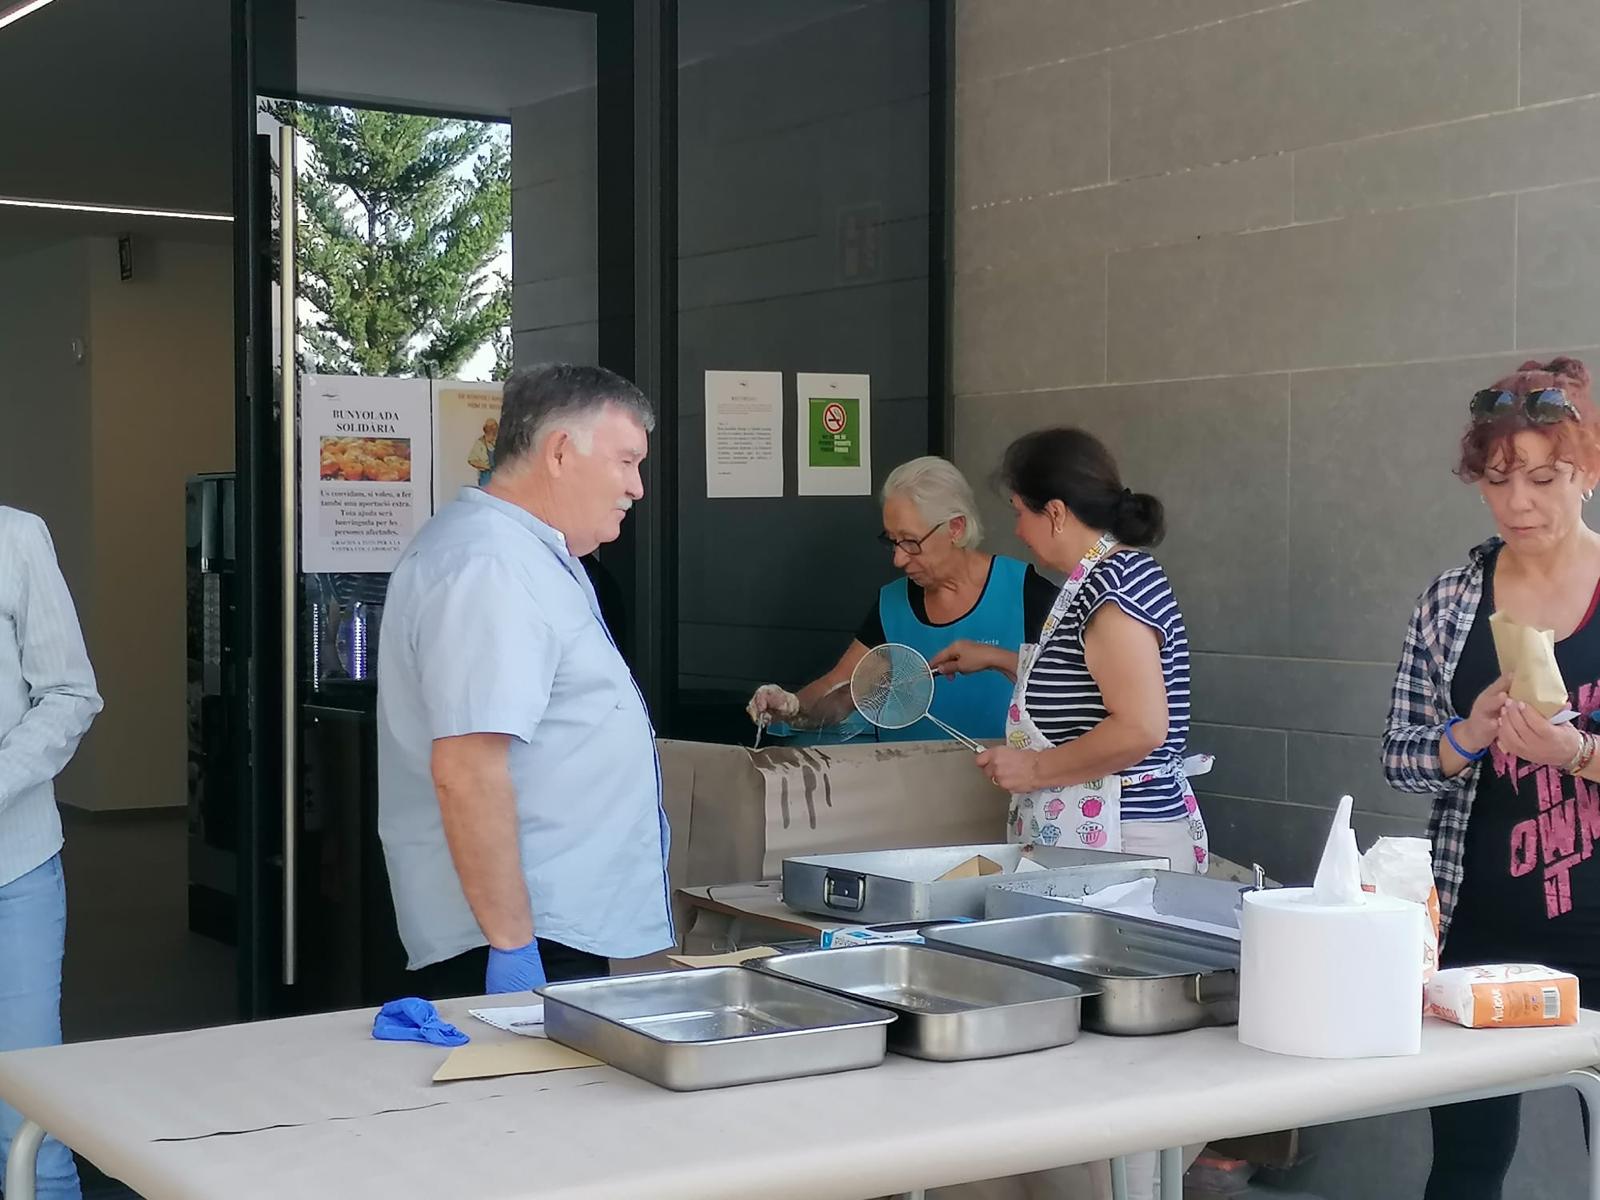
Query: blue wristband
(1449,736)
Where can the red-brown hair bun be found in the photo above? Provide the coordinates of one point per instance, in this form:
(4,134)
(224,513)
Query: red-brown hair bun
(1576,441)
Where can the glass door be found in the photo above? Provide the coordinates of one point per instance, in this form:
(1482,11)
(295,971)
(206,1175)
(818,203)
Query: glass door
(431,193)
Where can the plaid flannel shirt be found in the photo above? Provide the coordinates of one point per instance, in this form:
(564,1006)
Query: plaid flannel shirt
(1419,709)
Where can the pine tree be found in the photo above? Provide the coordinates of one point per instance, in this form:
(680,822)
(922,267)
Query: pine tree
(401,220)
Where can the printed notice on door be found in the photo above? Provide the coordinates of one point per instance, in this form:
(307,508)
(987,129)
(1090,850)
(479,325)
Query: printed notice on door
(466,425)
(366,478)
(744,434)
(835,432)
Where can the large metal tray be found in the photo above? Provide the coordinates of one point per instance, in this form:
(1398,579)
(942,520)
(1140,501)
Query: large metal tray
(1150,978)
(715,1027)
(880,886)
(950,1007)
(1177,897)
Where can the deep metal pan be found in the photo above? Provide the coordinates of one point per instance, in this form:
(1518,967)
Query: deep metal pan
(881,886)
(716,1027)
(1151,978)
(1176,896)
(949,1006)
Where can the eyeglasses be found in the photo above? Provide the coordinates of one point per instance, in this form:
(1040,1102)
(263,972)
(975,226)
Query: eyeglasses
(911,546)
(1543,407)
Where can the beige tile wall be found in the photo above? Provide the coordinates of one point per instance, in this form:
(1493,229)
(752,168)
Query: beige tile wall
(1267,250)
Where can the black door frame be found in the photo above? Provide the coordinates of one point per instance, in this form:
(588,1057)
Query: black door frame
(637,60)
(637,323)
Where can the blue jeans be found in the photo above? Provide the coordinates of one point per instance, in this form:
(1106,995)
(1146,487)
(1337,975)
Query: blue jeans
(33,931)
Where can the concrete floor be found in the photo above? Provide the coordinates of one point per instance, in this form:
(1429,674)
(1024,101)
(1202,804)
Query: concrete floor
(132,965)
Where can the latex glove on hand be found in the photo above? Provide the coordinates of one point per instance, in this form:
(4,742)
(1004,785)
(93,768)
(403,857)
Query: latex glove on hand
(772,703)
(519,970)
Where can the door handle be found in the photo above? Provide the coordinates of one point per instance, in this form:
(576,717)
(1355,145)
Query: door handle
(289,522)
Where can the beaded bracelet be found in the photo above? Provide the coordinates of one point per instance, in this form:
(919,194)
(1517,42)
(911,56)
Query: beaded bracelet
(1584,756)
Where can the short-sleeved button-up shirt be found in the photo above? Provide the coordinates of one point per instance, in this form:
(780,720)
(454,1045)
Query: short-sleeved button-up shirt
(491,626)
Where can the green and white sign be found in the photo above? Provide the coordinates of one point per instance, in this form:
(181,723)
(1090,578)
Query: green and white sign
(835,439)
(835,435)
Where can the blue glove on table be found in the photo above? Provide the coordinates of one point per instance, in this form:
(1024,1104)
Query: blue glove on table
(518,970)
(415,1020)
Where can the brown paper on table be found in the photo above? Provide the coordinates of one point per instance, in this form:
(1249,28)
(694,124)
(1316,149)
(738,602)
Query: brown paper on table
(975,866)
(519,1056)
(1529,656)
(731,959)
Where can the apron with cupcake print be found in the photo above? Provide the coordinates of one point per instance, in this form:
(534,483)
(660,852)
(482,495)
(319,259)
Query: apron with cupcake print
(1086,815)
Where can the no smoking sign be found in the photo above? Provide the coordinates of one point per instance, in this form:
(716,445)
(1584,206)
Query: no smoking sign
(835,426)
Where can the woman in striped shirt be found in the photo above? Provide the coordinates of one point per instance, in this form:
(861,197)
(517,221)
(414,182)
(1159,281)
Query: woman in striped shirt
(1099,717)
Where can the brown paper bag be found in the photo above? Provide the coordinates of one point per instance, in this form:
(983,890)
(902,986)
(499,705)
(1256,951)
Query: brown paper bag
(1529,657)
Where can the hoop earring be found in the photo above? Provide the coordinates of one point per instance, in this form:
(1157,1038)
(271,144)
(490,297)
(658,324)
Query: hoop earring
(1589,494)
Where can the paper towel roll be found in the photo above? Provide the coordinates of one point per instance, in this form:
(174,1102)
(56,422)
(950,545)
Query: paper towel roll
(1330,981)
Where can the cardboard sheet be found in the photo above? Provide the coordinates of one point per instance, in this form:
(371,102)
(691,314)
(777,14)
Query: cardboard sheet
(737,814)
(835,799)
(973,868)
(525,1056)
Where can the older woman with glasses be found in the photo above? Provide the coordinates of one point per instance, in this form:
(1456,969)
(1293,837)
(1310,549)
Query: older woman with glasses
(950,591)
(1514,801)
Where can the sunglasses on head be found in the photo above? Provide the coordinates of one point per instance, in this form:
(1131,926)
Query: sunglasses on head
(1545,406)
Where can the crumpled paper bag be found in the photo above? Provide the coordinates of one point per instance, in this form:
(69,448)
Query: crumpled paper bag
(1529,656)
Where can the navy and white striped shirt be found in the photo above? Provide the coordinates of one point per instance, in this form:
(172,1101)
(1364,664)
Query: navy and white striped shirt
(1065,701)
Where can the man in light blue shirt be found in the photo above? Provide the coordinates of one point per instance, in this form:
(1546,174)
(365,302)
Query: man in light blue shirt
(47,700)
(519,791)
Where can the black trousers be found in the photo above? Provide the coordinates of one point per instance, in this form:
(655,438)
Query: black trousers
(1473,1144)
(463,974)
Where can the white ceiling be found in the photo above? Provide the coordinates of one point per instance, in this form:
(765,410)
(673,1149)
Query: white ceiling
(474,57)
(114,102)
(128,103)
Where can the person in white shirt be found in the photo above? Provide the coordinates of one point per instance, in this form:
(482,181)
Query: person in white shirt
(519,794)
(47,701)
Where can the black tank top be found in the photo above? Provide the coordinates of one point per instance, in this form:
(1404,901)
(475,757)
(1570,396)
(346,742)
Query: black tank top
(1531,891)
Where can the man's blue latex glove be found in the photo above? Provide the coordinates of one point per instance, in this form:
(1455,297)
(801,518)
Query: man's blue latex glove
(518,970)
(415,1020)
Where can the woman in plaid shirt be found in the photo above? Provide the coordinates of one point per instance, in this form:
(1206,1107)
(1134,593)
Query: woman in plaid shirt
(1516,812)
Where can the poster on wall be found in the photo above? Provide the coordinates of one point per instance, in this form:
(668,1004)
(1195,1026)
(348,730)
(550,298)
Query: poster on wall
(366,475)
(835,434)
(744,434)
(466,421)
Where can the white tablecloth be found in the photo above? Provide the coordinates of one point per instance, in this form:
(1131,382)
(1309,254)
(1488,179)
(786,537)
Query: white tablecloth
(313,1107)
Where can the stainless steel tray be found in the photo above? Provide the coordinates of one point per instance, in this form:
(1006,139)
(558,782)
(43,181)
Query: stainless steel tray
(1150,978)
(881,886)
(950,1006)
(1176,896)
(715,1027)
